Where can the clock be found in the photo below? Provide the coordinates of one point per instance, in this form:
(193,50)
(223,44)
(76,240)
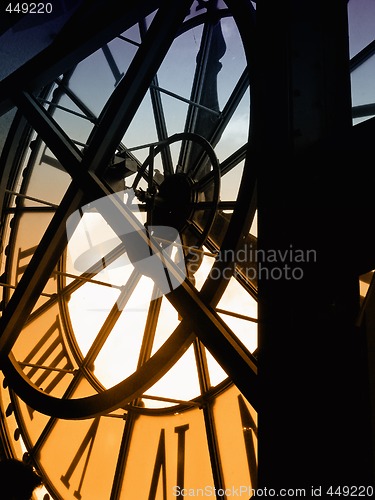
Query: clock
(128,265)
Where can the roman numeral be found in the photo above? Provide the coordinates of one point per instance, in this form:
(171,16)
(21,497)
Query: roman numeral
(48,362)
(23,259)
(161,463)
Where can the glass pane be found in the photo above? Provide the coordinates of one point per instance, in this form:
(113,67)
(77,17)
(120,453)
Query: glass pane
(237,441)
(361,14)
(236,300)
(362,87)
(31,422)
(87,459)
(181,382)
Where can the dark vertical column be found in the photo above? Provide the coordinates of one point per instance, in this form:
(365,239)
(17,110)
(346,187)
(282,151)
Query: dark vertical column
(314,413)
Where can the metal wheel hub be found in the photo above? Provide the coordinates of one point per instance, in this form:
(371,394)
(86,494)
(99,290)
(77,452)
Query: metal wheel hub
(174,202)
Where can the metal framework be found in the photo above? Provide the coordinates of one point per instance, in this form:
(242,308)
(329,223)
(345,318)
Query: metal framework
(313,383)
(87,164)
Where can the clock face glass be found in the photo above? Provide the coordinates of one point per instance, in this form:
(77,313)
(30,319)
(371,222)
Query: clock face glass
(128,250)
(360,43)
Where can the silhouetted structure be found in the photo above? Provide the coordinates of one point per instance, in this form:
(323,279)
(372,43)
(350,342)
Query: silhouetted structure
(18,480)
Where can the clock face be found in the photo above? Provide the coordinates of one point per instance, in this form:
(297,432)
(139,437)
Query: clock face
(129,259)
